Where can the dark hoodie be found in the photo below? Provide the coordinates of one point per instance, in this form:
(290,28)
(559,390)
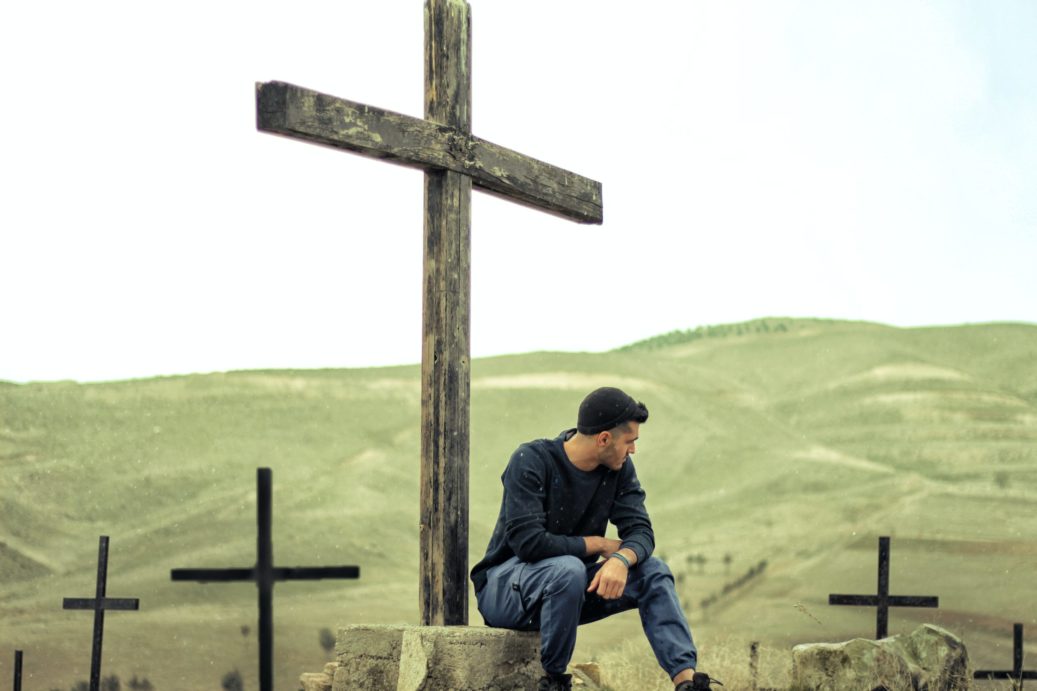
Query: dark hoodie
(549,505)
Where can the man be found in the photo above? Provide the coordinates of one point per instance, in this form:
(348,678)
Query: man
(548,566)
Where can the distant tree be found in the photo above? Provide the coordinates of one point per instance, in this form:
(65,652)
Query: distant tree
(702,562)
(111,683)
(727,563)
(81,686)
(245,630)
(136,684)
(232,681)
(327,640)
(1002,479)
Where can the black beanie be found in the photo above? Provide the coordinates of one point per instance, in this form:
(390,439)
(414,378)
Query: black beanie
(607,407)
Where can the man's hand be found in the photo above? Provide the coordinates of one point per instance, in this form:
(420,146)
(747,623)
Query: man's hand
(602,546)
(610,580)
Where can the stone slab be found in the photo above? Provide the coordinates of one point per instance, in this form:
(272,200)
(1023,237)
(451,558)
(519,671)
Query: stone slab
(929,659)
(435,658)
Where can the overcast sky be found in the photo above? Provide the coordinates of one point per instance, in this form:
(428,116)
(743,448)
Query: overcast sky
(856,160)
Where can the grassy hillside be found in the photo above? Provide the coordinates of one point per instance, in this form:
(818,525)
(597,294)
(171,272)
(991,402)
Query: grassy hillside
(794,442)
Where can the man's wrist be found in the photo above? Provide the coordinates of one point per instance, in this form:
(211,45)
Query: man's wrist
(621,557)
(630,554)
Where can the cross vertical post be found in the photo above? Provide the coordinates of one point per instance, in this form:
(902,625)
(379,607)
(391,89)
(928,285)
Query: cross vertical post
(445,365)
(102,588)
(882,614)
(265,576)
(18,670)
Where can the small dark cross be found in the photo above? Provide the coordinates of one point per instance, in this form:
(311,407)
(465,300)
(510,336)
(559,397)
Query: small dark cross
(1017,673)
(99,604)
(883,601)
(265,574)
(18,670)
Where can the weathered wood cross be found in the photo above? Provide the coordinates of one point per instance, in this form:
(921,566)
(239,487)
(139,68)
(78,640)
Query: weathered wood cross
(1017,673)
(265,574)
(99,604)
(883,600)
(453,160)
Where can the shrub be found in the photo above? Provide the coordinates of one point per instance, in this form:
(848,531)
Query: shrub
(136,684)
(232,681)
(327,640)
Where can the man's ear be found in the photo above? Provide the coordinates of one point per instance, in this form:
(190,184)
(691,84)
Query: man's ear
(603,438)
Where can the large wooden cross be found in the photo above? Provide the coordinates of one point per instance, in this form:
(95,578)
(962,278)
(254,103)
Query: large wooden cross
(453,160)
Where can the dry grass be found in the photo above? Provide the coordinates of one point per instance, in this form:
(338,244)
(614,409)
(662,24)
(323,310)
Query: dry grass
(727,659)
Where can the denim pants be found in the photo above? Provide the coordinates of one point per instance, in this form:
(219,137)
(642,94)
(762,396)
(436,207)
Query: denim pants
(551,596)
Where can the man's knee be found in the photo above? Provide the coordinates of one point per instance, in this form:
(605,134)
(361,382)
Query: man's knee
(655,568)
(568,574)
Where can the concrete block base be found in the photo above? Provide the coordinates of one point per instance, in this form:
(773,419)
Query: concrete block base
(435,658)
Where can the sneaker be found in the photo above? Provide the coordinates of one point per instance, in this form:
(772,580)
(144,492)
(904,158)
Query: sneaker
(555,682)
(700,681)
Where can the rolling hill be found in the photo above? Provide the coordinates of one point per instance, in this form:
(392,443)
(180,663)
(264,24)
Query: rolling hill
(790,442)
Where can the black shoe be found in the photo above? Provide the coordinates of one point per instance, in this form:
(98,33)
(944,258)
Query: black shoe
(700,681)
(555,682)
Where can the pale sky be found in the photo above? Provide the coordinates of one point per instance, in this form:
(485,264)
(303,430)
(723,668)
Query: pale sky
(852,160)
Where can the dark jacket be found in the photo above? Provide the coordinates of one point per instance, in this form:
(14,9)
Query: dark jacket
(549,505)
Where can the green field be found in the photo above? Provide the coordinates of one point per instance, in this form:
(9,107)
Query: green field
(798,442)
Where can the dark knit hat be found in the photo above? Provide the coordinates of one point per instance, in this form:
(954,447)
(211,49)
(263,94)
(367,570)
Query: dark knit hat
(606,408)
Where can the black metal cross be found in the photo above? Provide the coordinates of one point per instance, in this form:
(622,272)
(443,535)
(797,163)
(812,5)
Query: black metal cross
(265,574)
(18,670)
(1017,673)
(99,604)
(883,601)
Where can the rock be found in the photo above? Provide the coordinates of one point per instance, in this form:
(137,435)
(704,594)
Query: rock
(432,658)
(587,676)
(929,659)
(318,681)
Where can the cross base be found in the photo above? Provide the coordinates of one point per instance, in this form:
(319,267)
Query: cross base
(432,658)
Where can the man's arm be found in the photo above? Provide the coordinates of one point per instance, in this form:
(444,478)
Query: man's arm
(525,482)
(636,538)
(606,547)
(630,516)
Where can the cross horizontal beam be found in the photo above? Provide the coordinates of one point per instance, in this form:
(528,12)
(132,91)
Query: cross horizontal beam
(103,603)
(301,113)
(891,601)
(1004,674)
(300,573)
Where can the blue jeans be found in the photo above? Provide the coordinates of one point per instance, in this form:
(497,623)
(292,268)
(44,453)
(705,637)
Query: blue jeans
(551,596)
